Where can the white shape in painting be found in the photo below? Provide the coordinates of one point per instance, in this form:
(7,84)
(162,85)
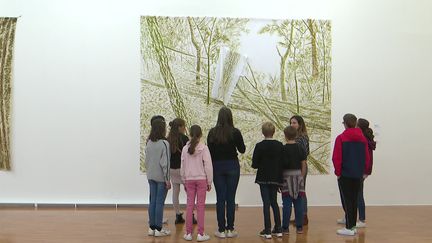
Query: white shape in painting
(229,68)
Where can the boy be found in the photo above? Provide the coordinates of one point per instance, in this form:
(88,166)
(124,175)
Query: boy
(351,160)
(267,157)
(294,170)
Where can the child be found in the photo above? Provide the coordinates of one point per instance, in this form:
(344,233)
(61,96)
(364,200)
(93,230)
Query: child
(363,124)
(157,166)
(197,173)
(351,162)
(294,170)
(177,140)
(267,158)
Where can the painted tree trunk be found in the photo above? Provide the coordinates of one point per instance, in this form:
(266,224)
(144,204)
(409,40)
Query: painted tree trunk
(198,52)
(175,98)
(283,65)
(314,49)
(7,37)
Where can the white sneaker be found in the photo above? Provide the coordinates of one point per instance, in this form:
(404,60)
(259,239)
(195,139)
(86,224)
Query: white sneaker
(231,233)
(203,237)
(162,232)
(151,232)
(341,221)
(361,224)
(220,234)
(187,237)
(346,231)
(265,236)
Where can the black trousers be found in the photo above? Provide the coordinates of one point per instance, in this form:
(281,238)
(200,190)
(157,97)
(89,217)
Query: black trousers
(349,190)
(269,198)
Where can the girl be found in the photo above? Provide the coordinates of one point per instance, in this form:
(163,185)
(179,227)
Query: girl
(197,173)
(177,140)
(363,124)
(224,140)
(303,139)
(157,162)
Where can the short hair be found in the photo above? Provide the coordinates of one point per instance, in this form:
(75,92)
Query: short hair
(268,129)
(290,132)
(350,120)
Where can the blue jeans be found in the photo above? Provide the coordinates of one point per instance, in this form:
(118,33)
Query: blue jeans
(158,193)
(226,182)
(269,198)
(361,204)
(305,202)
(287,203)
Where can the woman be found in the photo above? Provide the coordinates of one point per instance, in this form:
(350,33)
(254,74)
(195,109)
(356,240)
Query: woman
(224,140)
(303,139)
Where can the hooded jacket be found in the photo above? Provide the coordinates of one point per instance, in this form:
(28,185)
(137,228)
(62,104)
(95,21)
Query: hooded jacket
(196,166)
(351,154)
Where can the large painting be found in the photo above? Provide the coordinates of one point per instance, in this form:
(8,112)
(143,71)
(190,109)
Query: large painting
(7,38)
(264,70)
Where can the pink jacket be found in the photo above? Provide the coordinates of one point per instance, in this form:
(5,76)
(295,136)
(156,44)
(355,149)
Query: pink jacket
(197,166)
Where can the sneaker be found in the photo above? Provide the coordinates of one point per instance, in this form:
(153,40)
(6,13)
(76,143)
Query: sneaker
(285,231)
(345,231)
(162,232)
(194,221)
(220,234)
(341,221)
(277,232)
(265,235)
(187,237)
(231,233)
(299,230)
(151,232)
(361,224)
(203,237)
(164,221)
(179,219)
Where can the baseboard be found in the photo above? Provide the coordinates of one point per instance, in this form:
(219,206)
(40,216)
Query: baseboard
(87,205)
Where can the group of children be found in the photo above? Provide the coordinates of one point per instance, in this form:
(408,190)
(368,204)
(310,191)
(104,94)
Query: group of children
(175,160)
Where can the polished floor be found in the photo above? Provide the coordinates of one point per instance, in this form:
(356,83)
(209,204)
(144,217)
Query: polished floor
(407,224)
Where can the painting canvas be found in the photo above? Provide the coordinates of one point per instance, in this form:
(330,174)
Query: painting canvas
(7,38)
(264,70)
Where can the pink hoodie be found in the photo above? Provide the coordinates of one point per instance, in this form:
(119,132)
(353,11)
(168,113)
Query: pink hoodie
(197,166)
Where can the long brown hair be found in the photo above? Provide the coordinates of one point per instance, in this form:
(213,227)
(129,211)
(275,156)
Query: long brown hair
(158,130)
(174,134)
(195,133)
(301,131)
(222,132)
(363,124)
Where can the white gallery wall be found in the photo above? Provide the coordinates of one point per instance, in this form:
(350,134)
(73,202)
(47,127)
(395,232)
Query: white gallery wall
(76,95)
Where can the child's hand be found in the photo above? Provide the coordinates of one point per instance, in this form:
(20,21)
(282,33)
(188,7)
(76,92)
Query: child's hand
(168,185)
(208,188)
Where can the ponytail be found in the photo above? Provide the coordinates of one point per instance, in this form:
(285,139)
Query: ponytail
(363,124)
(195,133)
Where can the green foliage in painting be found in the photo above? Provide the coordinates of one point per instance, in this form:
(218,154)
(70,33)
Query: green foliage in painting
(291,75)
